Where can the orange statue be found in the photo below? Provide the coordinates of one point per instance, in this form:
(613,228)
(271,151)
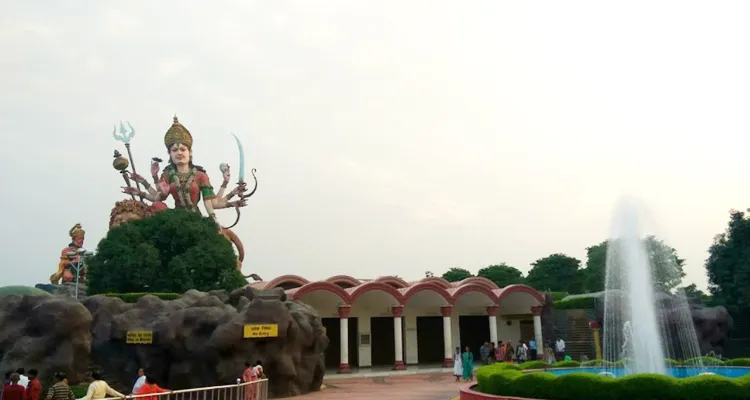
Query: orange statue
(65,268)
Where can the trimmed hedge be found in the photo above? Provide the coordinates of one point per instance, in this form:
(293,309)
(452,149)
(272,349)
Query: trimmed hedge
(738,362)
(579,303)
(557,296)
(133,297)
(586,386)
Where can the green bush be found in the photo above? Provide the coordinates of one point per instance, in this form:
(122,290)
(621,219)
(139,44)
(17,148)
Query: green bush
(79,390)
(585,386)
(534,365)
(706,361)
(578,303)
(133,297)
(738,362)
(566,364)
(603,363)
(557,296)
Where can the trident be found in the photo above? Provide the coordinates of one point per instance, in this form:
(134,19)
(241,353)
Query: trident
(125,136)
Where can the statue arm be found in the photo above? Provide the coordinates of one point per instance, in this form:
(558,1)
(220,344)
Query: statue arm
(207,192)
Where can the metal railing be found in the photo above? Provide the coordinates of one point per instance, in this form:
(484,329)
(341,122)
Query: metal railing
(255,390)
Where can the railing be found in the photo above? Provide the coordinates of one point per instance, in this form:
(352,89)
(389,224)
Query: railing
(256,390)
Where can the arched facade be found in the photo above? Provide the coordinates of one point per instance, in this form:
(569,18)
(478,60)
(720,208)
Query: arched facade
(388,321)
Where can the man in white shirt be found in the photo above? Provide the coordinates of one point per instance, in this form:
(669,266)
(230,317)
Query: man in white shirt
(560,349)
(99,389)
(140,381)
(23,380)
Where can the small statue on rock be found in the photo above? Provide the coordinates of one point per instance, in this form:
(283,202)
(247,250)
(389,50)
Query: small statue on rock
(65,268)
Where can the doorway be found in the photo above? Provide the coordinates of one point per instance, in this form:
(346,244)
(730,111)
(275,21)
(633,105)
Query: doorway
(430,340)
(383,341)
(474,331)
(332,354)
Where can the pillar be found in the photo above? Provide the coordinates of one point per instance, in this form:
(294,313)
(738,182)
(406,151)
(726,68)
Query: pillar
(447,346)
(398,338)
(344,328)
(492,312)
(595,327)
(536,311)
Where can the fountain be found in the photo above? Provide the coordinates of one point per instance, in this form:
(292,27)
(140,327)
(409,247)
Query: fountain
(633,329)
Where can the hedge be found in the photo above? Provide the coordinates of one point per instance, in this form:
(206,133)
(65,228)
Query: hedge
(578,303)
(557,296)
(586,386)
(133,297)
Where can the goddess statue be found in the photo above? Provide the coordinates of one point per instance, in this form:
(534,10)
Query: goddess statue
(65,269)
(186,182)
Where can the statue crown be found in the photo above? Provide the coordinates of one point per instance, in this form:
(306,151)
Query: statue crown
(177,133)
(76,231)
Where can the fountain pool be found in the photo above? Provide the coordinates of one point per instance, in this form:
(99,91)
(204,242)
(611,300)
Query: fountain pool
(675,372)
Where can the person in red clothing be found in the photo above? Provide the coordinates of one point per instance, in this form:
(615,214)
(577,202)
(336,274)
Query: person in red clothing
(14,391)
(34,389)
(150,387)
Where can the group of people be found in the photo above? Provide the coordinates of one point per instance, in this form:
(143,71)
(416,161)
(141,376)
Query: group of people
(506,352)
(252,373)
(18,386)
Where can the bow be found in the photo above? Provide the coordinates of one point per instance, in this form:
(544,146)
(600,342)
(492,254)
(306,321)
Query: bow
(242,181)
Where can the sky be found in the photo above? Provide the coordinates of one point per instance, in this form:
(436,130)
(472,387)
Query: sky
(390,137)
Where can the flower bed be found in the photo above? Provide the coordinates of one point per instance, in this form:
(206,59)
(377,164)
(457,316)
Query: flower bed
(509,381)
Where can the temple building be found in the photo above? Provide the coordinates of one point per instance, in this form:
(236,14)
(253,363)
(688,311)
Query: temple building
(390,322)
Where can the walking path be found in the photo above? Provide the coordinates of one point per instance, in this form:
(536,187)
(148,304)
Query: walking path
(430,386)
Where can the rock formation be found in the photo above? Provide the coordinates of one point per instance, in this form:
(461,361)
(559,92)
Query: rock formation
(197,339)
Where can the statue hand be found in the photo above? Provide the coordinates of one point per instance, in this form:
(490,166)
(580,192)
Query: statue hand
(130,190)
(154,168)
(241,188)
(237,203)
(227,174)
(137,178)
(163,187)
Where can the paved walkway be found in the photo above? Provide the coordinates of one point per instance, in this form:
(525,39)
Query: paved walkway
(438,386)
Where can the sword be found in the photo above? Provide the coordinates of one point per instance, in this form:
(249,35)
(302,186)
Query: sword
(242,159)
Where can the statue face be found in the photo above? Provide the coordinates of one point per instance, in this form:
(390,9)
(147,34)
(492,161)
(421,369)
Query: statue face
(179,154)
(78,241)
(123,218)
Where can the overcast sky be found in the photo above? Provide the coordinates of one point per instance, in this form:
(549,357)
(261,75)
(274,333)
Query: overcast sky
(390,137)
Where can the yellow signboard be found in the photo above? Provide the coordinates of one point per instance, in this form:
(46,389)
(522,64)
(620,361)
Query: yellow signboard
(139,337)
(254,331)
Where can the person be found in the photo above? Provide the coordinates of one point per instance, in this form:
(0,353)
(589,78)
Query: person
(60,390)
(500,351)
(14,391)
(99,389)
(509,352)
(467,361)
(6,380)
(34,388)
(150,387)
(491,355)
(258,370)
(23,380)
(458,369)
(521,352)
(532,349)
(484,353)
(560,349)
(139,381)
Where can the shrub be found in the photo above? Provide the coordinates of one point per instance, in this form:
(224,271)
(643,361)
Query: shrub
(603,363)
(738,362)
(534,365)
(557,296)
(672,362)
(133,297)
(706,361)
(566,364)
(579,303)
(585,386)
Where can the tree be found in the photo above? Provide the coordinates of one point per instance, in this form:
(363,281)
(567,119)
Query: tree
(556,273)
(728,263)
(502,275)
(594,273)
(666,265)
(695,295)
(456,274)
(172,251)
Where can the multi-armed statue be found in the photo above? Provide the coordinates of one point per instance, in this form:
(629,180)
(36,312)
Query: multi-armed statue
(187,183)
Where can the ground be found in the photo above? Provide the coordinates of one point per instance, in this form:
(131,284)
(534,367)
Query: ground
(435,386)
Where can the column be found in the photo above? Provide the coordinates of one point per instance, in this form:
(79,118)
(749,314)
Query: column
(447,346)
(536,311)
(344,328)
(398,338)
(492,313)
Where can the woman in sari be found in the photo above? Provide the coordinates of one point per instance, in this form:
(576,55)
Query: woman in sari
(467,361)
(458,366)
